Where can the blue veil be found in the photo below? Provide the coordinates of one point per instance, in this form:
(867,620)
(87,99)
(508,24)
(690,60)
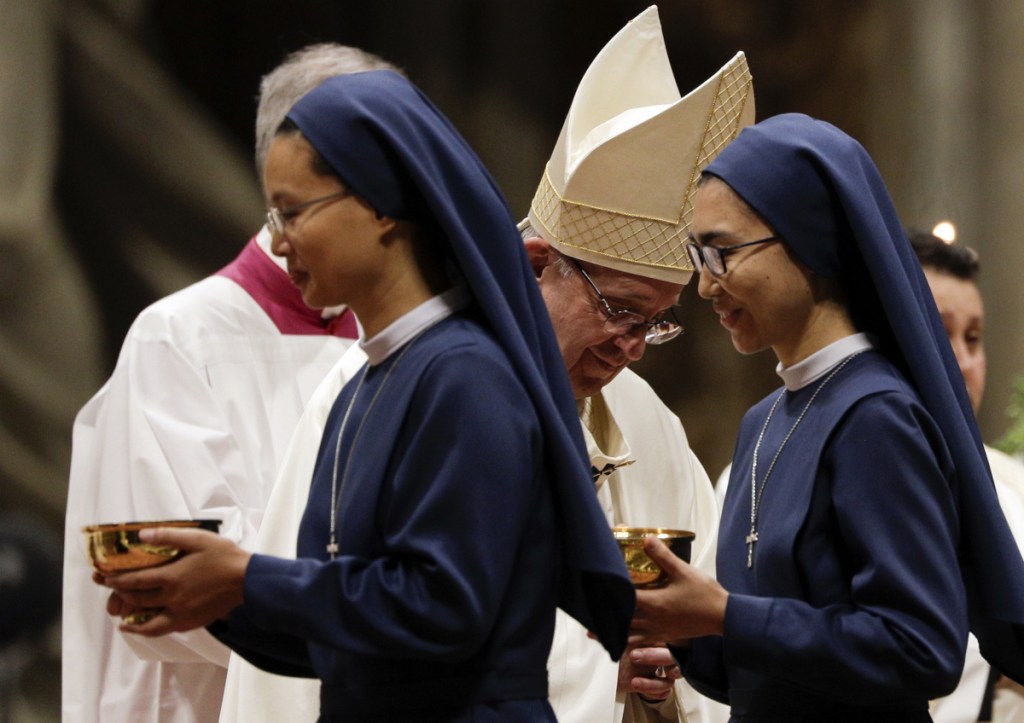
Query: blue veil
(397,151)
(818,189)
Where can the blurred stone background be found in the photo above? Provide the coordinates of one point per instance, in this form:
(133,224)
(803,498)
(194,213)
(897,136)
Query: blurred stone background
(126,173)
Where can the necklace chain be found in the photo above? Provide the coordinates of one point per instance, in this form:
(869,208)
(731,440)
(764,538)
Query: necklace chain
(755,496)
(336,489)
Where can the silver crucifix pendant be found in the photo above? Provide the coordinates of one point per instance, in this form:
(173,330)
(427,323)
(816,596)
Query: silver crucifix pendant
(751,539)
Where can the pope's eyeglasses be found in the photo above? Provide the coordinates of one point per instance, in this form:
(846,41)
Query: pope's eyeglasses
(714,256)
(279,218)
(622,322)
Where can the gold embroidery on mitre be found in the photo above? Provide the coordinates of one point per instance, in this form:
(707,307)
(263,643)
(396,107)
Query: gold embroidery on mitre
(722,127)
(633,237)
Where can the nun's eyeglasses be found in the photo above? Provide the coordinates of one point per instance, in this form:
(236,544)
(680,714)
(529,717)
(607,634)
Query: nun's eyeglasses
(714,256)
(621,322)
(279,218)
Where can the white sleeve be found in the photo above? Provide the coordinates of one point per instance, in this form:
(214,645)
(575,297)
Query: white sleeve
(152,444)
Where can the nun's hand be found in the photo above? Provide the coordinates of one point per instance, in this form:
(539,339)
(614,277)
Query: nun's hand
(690,605)
(204,585)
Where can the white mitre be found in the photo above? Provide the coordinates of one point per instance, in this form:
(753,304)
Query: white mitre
(618,190)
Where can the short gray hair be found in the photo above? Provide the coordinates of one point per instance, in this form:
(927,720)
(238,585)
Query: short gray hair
(526,229)
(559,260)
(301,72)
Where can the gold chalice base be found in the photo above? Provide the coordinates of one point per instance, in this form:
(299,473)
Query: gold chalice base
(140,616)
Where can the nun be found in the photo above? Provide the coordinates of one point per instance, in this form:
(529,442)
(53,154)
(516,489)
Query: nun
(861,536)
(451,508)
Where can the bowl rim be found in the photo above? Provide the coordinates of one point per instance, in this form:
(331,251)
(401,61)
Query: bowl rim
(625,532)
(141,525)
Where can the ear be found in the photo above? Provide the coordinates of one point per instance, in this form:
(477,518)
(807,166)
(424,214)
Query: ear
(385,224)
(539,252)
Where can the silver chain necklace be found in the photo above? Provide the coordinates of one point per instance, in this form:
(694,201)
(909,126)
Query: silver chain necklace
(336,489)
(755,496)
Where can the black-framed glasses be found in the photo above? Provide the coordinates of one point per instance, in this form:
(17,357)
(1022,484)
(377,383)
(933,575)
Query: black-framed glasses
(623,321)
(279,218)
(714,256)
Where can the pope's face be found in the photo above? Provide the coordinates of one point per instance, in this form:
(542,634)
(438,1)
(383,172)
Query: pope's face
(330,246)
(963,316)
(764,298)
(593,356)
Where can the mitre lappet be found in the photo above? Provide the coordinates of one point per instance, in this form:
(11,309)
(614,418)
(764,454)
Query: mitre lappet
(618,189)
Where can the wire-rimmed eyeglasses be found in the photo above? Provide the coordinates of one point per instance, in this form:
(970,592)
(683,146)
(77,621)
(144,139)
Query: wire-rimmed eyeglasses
(714,256)
(279,218)
(623,321)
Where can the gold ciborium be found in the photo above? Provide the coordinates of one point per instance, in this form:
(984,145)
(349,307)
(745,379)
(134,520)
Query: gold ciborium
(643,570)
(116,547)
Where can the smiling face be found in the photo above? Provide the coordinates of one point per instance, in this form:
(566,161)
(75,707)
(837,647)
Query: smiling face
(765,298)
(963,316)
(593,356)
(332,247)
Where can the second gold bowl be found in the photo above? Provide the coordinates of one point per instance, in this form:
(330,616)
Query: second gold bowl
(116,547)
(642,569)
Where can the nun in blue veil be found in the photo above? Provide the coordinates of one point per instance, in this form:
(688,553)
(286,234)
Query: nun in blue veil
(861,535)
(451,508)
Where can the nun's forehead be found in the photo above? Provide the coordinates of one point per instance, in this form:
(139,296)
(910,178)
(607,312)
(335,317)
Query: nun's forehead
(778,167)
(354,122)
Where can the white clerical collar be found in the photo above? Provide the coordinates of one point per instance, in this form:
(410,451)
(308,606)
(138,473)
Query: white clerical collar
(263,240)
(822,361)
(405,327)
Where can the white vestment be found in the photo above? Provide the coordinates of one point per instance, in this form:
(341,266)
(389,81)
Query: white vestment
(192,424)
(665,487)
(964,703)
(651,479)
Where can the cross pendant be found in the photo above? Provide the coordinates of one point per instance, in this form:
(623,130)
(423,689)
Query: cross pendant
(332,549)
(751,539)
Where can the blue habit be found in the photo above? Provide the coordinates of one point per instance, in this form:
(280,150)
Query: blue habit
(388,143)
(443,592)
(881,537)
(852,610)
(467,513)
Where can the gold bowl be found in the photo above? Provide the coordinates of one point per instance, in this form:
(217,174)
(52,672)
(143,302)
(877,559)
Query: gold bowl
(642,569)
(116,547)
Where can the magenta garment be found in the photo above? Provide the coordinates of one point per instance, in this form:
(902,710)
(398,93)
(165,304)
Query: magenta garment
(271,288)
